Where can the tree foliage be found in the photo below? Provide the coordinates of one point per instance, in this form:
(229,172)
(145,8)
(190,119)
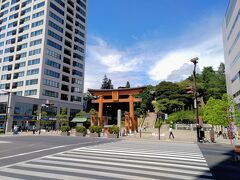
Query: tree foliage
(216,111)
(182,117)
(81,114)
(62,117)
(106,83)
(127,85)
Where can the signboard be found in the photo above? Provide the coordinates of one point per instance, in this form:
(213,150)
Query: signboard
(24,118)
(115,96)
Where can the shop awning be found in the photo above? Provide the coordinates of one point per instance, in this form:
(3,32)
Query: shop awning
(79,120)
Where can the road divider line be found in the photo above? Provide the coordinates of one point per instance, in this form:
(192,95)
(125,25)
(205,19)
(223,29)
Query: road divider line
(46,149)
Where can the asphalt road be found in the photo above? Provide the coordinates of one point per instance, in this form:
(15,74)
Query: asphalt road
(90,158)
(220,159)
(15,149)
(47,158)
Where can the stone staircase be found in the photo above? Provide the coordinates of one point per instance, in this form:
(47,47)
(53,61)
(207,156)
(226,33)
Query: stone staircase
(149,122)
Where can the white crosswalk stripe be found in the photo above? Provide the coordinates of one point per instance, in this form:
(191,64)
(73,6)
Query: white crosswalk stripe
(116,160)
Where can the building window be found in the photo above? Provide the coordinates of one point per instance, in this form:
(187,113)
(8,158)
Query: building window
(23,37)
(31,92)
(34,52)
(51,73)
(57,18)
(54,35)
(50,93)
(6,77)
(19,65)
(50,83)
(17,84)
(38,23)
(38,14)
(53,44)
(61,3)
(33,61)
(31,82)
(53,64)
(54,54)
(35,42)
(55,26)
(36,33)
(21,55)
(25,11)
(53,6)
(18,93)
(39,5)
(2,36)
(77,73)
(32,71)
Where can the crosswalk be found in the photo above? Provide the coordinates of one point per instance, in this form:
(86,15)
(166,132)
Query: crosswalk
(116,160)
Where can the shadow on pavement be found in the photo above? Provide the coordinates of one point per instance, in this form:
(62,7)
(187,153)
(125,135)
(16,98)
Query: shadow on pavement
(220,159)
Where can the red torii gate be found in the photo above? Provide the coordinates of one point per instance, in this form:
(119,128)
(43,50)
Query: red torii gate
(117,96)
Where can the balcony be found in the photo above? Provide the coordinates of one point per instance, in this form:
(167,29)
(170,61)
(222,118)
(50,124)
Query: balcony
(67,43)
(67,52)
(67,60)
(65,78)
(65,88)
(66,69)
(68,35)
(64,97)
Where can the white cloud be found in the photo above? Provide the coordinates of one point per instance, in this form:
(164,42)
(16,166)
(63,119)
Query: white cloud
(210,53)
(148,62)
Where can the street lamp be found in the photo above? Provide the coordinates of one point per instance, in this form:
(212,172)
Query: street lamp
(7,107)
(195,61)
(47,104)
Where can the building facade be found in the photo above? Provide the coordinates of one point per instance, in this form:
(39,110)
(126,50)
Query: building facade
(231,41)
(42,50)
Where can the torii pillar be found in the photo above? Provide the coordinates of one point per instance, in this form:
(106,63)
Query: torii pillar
(100,110)
(131,109)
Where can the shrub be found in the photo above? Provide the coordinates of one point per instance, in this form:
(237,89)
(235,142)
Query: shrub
(1,131)
(95,129)
(65,128)
(81,129)
(114,129)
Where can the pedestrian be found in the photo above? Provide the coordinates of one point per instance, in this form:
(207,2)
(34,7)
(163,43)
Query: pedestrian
(34,129)
(15,129)
(170,133)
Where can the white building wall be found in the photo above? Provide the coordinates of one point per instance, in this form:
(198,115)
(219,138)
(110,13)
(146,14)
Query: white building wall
(231,39)
(78,8)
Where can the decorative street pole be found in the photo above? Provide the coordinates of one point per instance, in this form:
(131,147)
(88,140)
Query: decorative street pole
(47,104)
(195,61)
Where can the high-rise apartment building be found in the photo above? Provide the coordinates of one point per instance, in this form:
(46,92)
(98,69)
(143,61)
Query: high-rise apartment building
(231,41)
(42,49)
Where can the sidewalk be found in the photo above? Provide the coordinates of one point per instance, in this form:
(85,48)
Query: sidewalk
(185,136)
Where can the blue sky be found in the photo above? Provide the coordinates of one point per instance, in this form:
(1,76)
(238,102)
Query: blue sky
(147,41)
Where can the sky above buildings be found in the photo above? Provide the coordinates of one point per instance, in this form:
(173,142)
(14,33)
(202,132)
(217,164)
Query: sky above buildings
(148,41)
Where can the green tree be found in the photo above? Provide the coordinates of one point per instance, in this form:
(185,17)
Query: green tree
(216,110)
(127,84)
(182,117)
(146,97)
(106,83)
(81,114)
(62,117)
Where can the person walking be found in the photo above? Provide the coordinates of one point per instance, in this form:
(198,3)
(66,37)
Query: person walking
(171,133)
(34,129)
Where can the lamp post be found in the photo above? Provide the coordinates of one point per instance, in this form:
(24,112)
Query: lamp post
(47,104)
(195,61)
